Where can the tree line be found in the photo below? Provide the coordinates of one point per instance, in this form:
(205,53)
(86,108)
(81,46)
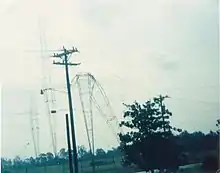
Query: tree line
(62,157)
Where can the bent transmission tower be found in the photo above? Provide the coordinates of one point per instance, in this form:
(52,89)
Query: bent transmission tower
(88,88)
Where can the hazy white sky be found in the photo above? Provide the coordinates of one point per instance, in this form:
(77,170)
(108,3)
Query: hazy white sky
(135,49)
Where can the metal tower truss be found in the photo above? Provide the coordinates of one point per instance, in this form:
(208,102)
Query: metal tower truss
(34,123)
(50,100)
(87,87)
(47,91)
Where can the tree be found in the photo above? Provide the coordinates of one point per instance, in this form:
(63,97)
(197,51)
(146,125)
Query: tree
(150,142)
(6,162)
(32,161)
(62,153)
(100,153)
(17,161)
(190,141)
(42,158)
(50,157)
(82,151)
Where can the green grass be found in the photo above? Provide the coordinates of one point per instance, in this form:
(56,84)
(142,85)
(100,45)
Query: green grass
(84,167)
(63,169)
(193,168)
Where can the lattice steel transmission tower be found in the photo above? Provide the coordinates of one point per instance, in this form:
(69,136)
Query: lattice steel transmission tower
(50,100)
(87,86)
(34,123)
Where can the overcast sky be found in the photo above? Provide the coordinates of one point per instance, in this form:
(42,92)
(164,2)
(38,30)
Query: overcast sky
(135,49)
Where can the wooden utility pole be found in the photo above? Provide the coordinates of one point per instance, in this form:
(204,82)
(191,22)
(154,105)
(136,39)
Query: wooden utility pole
(64,56)
(161,99)
(69,144)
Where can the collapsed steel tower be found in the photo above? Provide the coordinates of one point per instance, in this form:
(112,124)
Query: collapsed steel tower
(87,85)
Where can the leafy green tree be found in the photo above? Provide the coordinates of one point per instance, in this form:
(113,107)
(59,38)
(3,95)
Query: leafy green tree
(82,152)
(62,153)
(149,142)
(100,152)
(43,158)
(211,141)
(190,141)
(33,161)
(50,157)
(17,161)
(6,162)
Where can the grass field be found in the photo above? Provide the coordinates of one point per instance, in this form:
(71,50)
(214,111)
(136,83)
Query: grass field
(193,168)
(64,169)
(84,167)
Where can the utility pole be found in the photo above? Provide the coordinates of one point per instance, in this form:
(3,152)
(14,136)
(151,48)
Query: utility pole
(69,144)
(161,98)
(64,56)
